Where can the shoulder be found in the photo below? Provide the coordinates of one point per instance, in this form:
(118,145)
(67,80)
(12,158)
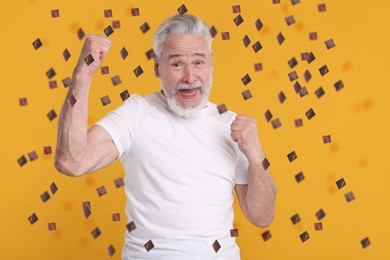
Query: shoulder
(225,117)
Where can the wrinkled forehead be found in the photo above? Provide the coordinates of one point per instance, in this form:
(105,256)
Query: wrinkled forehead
(185,45)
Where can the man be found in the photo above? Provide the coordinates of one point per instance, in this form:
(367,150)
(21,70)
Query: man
(182,158)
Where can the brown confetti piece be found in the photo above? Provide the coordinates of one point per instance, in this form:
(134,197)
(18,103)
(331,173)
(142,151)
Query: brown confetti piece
(319,92)
(47,150)
(32,156)
(145,27)
(238,20)
(340,183)
(181,10)
(246,94)
(116,217)
(22,102)
(266,164)
(116,24)
(53,188)
(293,75)
(297,87)
(149,245)
(304,236)
(111,250)
(299,177)
(55,13)
(324,70)
(281,97)
(150,54)
(51,115)
(66,54)
(310,114)
(365,242)
(216,246)
(45,196)
(234,232)
(276,2)
(295,219)
(116,80)
(258,24)
(298,122)
(213,31)
(311,58)
(50,73)
(349,196)
(72,100)
(80,34)
(280,38)
(292,62)
(37,44)
(96,233)
(258,66)
(292,156)
(51,226)
(138,71)
(125,95)
(257,46)
(67,82)
(131,226)
(52,84)
(307,75)
(326,139)
(338,85)
(321,7)
(276,123)
(246,41)
(108,30)
(86,209)
(236,9)
(124,53)
(89,59)
(246,79)
(135,12)
(33,218)
(294,2)
(108,13)
(119,182)
(225,36)
(290,20)
(268,115)
(304,56)
(101,191)
(313,36)
(22,160)
(318,226)
(329,44)
(221,108)
(320,214)
(266,235)
(303,92)
(104,70)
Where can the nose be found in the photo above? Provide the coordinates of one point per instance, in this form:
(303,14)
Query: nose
(189,76)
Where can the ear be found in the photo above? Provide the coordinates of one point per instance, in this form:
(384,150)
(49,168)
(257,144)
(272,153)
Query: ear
(156,69)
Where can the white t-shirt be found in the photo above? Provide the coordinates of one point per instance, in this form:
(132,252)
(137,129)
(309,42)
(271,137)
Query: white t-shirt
(180,175)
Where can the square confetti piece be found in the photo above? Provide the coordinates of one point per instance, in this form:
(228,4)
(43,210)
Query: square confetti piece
(45,196)
(22,160)
(298,122)
(304,56)
(22,102)
(292,62)
(281,97)
(292,156)
(101,191)
(338,85)
(105,100)
(32,156)
(105,70)
(266,235)
(293,75)
(55,13)
(258,25)
(37,44)
(111,250)
(116,217)
(150,54)
(320,214)
(321,7)
(53,188)
(33,218)
(51,115)
(66,54)
(116,24)
(51,226)
(258,66)
(131,226)
(124,53)
(297,87)
(280,38)
(80,34)
(246,79)
(119,182)
(213,31)
(318,226)
(268,115)
(313,36)
(299,177)
(89,59)
(307,75)
(50,73)
(290,20)
(108,13)
(324,70)
(225,36)
(246,94)
(182,10)
(116,80)
(138,71)
(221,108)
(303,92)
(238,20)
(319,92)
(294,2)
(295,219)
(47,150)
(310,113)
(349,196)
(311,58)
(276,2)
(52,84)
(125,95)
(304,236)
(340,183)
(329,44)
(72,100)
(149,245)
(326,139)
(108,30)
(265,164)
(86,209)
(96,233)
(246,41)
(67,82)
(216,246)
(365,242)
(236,9)
(144,27)
(257,46)
(234,232)
(135,12)
(276,123)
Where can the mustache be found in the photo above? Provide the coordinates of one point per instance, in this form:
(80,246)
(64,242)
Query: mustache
(196,84)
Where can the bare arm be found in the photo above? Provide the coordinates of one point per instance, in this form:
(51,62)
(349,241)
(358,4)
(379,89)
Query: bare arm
(257,198)
(79,150)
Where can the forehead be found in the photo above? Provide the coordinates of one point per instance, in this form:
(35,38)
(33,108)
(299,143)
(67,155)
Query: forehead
(185,44)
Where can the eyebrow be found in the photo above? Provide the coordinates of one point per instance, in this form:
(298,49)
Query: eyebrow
(171,56)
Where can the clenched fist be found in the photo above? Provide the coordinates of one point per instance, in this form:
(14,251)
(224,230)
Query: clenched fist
(244,132)
(94,50)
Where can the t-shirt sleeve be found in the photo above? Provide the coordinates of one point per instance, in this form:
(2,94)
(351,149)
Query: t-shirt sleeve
(120,123)
(242,170)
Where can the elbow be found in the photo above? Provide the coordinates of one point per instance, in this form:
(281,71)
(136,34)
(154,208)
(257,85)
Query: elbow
(263,221)
(66,167)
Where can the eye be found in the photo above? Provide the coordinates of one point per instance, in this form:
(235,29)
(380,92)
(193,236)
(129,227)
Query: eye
(176,64)
(199,62)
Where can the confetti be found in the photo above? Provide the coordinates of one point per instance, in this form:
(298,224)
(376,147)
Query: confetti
(80,34)
(225,36)
(304,236)
(295,219)
(22,160)
(51,115)
(116,24)
(319,92)
(297,87)
(116,80)
(111,250)
(22,102)
(246,79)
(290,20)
(53,188)
(234,232)
(293,75)
(266,164)
(326,139)
(119,182)
(276,2)
(258,66)
(213,31)
(67,82)
(104,70)
(116,217)
(108,30)
(324,70)
(150,54)
(258,24)
(89,59)
(145,27)
(108,13)
(72,100)
(257,46)
(131,226)
(236,9)
(33,218)
(52,84)
(51,226)
(340,183)
(307,75)
(311,58)
(304,56)
(292,156)
(135,12)
(182,10)
(299,177)
(149,245)
(238,20)
(268,115)
(86,209)
(365,242)
(37,44)
(55,13)
(47,150)
(50,73)
(266,235)
(320,214)
(298,122)
(280,38)
(294,2)
(96,233)
(246,41)
(32,156)
(246,94)
(105,100)
(276,123)
(329,44)
(318,226)
(101,191)
(66,54)
(281,97)
(338,85)
(216,246)
(321,7)
(349,196)
(138,71)
(124,53)
(313,36)
(292,62)
(310,114)
(125,95)
(303,92)
(45,196)
(221,108)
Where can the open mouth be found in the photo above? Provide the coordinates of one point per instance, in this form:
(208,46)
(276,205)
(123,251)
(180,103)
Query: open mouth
(189,93)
